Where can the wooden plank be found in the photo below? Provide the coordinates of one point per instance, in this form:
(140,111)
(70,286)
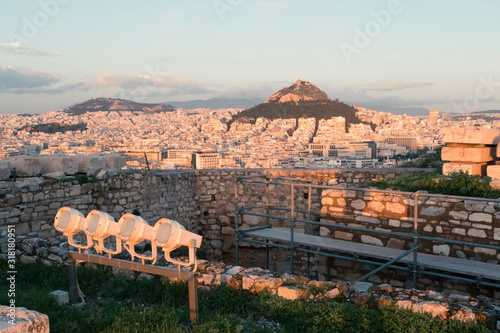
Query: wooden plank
(442,263)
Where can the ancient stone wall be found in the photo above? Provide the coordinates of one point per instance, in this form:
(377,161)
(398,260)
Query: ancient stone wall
(31,208)
(438,216)
(204,201)
(201,200)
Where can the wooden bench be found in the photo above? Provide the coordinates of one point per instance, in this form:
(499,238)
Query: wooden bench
(430,261)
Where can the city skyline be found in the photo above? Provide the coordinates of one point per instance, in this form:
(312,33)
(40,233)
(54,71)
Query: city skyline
(380,54)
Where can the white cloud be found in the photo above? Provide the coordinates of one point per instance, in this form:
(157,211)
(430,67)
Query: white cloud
(148,82)
(395,85)
(19,49)
(12,78)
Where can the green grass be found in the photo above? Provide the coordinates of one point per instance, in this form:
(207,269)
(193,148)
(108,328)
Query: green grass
(117,303)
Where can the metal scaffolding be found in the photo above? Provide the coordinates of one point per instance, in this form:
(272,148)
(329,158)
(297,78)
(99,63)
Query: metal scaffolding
(487,274)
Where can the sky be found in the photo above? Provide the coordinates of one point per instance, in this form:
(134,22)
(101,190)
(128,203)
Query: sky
(386,55)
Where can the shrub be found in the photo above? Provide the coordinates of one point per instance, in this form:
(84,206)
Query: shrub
(458,183)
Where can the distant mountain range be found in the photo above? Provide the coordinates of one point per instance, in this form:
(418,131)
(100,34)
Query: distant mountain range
(287,102)
(487,111)
(216,103)
(112,104)
(301,99)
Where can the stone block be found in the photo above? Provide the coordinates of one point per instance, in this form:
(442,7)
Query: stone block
(25,321)
(88,162)
(289,292)
(472,135)
(358,204)
(481,217)
(4,170)
(114,161)
(441,249)
(404,305)
(435,309)
(476,233)
(395,208)
(395,243)
(468,154)
(327,201)
(361,287)
(493,171)
(235,270)
(471,168)
(60,296)
(332,293)
(367,219)
(25,167)
(371,240)
(247,283)
(58,164)
(432,211)
(343,235)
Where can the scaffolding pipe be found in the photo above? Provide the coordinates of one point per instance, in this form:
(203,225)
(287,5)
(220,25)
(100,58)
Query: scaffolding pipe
(267,225)
(308,228)
(390,262)
(256,228)
(451,241)
(236,222)
(415,239)
(458,278)
(415,235)
(292,225)
(392,192)
(250,240)
(356,259)
(400,234)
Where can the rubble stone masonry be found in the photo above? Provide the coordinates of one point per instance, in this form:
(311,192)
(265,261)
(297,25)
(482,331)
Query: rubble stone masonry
(203,201)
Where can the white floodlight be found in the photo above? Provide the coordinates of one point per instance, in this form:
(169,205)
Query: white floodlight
(70,221)
(170,235)
(101,226)
(134,230)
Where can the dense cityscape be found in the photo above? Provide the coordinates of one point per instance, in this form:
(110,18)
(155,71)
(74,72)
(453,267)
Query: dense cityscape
(200,138)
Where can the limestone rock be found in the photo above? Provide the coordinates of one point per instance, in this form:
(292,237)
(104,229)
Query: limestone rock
(4,170)
(435,309)
(472,168)
(234,270)
(24,321)
(54,175)
(404,304)
(114,161)
(468,154)
(472,135)
(89,163)
(361,287)
(332,293)
(25,167)
(60,296)
(58,164)
(289,292)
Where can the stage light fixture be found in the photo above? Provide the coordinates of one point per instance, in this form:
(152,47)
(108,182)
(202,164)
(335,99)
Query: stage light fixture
(101,226)
(70,221)
(170,235)
(134,230)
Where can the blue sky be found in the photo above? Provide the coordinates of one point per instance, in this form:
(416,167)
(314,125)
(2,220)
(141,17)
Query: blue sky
(382,54)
